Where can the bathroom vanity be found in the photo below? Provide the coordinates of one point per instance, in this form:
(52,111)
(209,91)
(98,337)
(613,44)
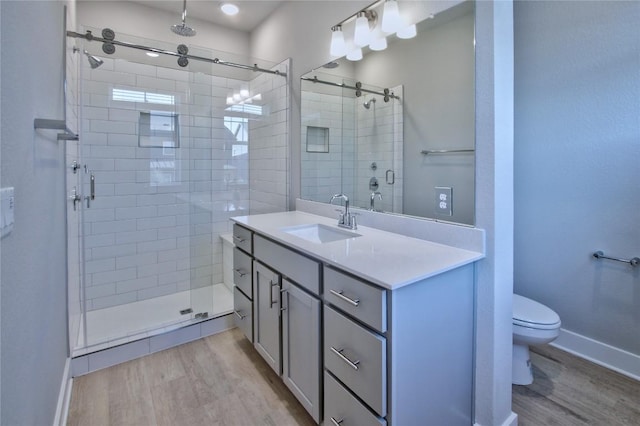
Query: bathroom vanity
(364,326)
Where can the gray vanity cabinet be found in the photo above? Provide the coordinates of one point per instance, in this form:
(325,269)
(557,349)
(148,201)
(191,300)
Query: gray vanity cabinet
(287,319)
(301,366)
(266,317)
(357,353)
(242,278)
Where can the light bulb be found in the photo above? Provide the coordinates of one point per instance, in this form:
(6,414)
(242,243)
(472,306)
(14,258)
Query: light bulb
(379,43)
(229,9)
(407,32)
(362,35)
(391,21)
(355,54)
(338,46)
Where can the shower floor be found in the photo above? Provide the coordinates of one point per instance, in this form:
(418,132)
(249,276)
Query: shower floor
(125,323)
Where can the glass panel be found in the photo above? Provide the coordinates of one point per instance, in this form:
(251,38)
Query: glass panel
(169,150)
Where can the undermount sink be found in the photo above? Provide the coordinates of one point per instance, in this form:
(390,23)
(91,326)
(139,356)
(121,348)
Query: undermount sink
(318,233)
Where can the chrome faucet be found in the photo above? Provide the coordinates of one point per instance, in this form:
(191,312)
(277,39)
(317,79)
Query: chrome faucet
(346,219)
(373,197)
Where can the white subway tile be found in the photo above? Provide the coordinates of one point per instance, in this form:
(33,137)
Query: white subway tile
(137,236)
(113,251)
(101,278)
(157,269)
(155,246)
(143,258)
(137,284)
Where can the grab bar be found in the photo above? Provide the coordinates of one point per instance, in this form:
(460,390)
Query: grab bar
(444,151)
(633,261)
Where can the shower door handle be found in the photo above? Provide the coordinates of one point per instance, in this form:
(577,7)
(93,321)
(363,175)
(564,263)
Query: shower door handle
(92,190)
(75,198)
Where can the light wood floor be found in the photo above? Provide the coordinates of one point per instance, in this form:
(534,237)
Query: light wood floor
(568,391)
(221,380)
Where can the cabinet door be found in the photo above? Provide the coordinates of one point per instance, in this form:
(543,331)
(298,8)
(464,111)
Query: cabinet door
(266,317)
(301,367)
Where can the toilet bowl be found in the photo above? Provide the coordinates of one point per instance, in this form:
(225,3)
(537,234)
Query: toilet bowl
(533,324)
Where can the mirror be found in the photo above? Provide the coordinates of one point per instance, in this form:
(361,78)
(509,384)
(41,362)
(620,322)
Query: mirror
(395,131)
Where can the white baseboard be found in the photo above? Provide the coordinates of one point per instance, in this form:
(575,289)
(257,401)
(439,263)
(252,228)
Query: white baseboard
(599,353)
(64,396)
(512,420)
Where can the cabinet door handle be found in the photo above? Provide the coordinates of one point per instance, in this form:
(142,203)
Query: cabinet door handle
(239,315)
(352,364)
(336,422)
(354,302)
(240,272)
(273,284)
(283,298)
(239,239)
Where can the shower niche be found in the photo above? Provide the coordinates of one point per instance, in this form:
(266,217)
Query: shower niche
(167,153)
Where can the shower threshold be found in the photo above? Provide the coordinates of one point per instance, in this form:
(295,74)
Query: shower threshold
(123,324)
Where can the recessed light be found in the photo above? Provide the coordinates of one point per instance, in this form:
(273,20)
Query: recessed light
(152,54)
(229,9)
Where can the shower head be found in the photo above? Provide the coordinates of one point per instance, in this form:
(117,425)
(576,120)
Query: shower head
(94,61)
(367,105)
(182,29)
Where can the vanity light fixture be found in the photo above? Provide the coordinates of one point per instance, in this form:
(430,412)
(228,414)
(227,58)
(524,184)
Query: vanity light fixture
(229,9)
(391,21)
(365,20)
(379,43)
(152,54)
(407,32)
(355,54)
(338,45)
(367,32)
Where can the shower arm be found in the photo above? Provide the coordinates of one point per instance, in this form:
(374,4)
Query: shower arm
(356,88)
(90,37)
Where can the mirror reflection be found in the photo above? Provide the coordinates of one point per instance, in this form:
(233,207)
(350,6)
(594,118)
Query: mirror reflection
(395,131)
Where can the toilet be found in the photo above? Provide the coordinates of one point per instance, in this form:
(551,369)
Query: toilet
(533,324)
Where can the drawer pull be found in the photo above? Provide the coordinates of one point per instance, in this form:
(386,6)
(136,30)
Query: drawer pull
(239,239)
(336,422)
(239,315)
(339,294)
(240,272)
(352,364)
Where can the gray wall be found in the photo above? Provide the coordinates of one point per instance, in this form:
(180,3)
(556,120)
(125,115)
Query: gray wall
(34,333)
(577,163)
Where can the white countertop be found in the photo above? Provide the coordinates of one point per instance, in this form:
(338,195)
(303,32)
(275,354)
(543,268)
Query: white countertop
(384,258)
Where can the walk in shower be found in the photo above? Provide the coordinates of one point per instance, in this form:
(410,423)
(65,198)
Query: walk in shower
(171,145)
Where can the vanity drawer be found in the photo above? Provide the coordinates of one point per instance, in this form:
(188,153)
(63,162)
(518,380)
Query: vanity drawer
(303,271)
(357,357)
(242,272)
(243,313)
(357,298)
(242,238)
(340,407)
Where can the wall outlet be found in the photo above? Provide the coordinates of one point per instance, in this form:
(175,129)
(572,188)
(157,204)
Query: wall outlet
(444,200)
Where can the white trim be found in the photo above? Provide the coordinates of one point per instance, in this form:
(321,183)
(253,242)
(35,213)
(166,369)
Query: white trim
(64,396)
(512,420)
(600,353)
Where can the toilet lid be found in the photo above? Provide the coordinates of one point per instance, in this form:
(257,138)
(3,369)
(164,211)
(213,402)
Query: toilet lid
(529,313)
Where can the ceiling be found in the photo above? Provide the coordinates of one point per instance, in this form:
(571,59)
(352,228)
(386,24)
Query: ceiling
(252,12)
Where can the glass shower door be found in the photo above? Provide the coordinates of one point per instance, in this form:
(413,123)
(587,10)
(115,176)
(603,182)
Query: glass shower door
(135,200)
